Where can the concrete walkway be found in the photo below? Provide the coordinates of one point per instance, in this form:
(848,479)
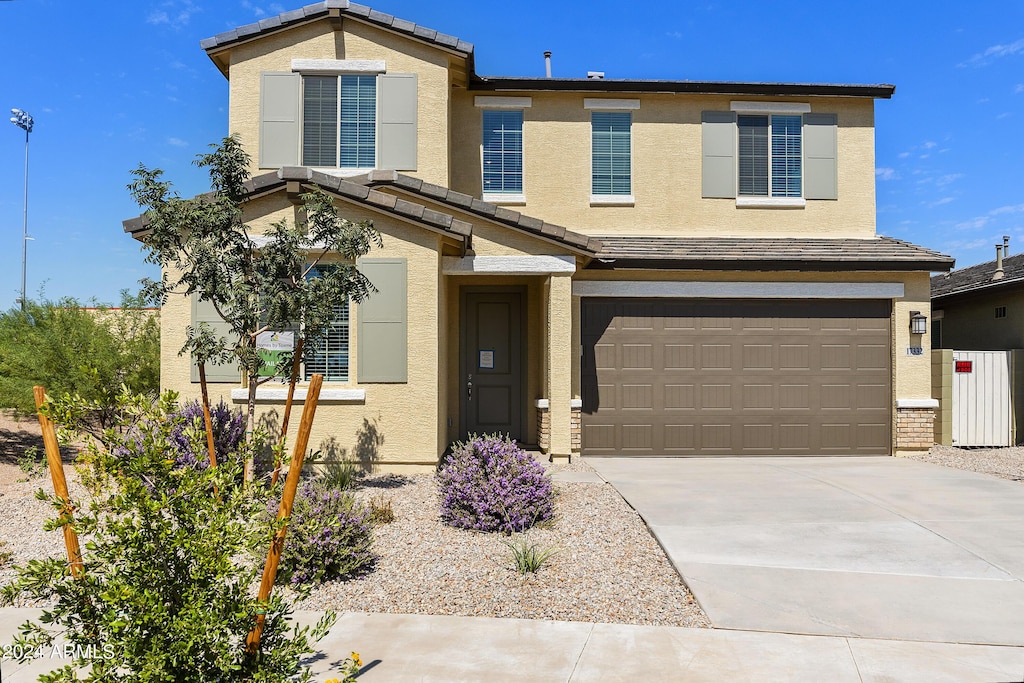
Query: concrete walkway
(397,648)
(869,547)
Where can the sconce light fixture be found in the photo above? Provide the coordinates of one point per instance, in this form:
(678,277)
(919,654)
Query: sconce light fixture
(918,323)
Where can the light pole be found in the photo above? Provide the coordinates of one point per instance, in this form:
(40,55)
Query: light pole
(23,120)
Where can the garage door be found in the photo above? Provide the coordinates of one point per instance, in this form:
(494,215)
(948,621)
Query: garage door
(723,377)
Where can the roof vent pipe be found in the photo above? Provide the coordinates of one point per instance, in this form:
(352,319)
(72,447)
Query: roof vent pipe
(1006,245)
(998,275)
(547,63)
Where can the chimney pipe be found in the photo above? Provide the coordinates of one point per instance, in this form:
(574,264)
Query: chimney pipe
(547,63)
(998,275)
(1006,245)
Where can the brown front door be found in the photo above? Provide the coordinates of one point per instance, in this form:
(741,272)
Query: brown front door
(492,363)
(726,377)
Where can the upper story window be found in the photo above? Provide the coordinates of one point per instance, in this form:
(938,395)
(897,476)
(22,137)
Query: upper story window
(770,156)
(339,121)
(503,152)
(612,157)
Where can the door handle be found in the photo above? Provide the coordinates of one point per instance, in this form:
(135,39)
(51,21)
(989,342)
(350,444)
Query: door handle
(469,388)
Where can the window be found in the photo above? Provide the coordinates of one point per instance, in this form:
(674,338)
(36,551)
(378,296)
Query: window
(770,156)
(330,357)
(339,121)
(611,162)
(1000,311)
(503,152)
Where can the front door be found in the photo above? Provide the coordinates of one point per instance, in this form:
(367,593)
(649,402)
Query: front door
(492,363)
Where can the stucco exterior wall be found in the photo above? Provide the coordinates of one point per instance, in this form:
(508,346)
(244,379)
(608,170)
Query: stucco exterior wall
(356,41)
(394,427)
(666,147)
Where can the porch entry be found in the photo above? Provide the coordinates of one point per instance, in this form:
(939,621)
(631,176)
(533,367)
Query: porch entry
(491,352)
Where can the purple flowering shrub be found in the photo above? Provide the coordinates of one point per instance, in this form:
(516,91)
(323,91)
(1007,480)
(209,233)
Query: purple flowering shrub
(490,484)
(228,432)
(328,535)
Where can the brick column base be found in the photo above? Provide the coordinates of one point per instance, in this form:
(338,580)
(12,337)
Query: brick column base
(915,428)
(576,421)
(543,425)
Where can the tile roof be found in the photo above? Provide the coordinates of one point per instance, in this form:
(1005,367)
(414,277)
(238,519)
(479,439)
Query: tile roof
(516,84)
(362,190)
(346,8)
(759,253)
(470,204)
(979,277)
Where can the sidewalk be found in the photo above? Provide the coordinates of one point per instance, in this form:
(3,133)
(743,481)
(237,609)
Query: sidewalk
(398,647)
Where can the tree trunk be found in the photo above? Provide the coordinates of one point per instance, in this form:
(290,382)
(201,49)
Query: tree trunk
(250,428)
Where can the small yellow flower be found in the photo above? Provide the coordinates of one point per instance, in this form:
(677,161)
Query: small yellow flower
(356,660)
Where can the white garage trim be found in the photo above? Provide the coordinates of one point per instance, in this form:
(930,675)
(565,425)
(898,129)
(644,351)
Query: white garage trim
(739,290)
(917,403)
(508,265)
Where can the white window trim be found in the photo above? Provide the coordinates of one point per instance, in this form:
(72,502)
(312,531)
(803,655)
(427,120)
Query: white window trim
(615,199)
(770,107)
(610,104)
(750,202)
(769,202)
(506,199)
(345,171)
(489,102)
(337,66)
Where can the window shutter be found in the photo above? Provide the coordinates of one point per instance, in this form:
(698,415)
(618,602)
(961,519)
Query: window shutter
(203,311)
(279,119)
(396,101)
(718,174)
(382,336)
(820,168)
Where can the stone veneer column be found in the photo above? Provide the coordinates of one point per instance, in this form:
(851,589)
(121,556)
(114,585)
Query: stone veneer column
(559,365)
(543,425)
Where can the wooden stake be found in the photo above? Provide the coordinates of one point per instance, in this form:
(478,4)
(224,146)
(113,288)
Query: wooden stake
(60,484)
(296,362)
(206,415)
(291,485)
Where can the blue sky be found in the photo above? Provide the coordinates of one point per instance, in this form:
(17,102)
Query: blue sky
(114,84)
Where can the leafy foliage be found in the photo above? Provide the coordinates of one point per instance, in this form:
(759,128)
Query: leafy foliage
(527,556)
(329,535)
(167,592)
(490,484)
(70,349)
(203,247)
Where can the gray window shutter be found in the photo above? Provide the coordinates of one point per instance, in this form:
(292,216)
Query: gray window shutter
(820,168)
(396,111)
(718,134)
(203,311)
(382,336)
(279,119)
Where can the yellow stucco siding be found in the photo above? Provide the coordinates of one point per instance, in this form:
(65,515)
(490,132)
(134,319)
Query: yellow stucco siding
(388,428)
(666,169)
(357,41)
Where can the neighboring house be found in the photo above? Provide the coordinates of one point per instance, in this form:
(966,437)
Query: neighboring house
(980,308)
(595,266)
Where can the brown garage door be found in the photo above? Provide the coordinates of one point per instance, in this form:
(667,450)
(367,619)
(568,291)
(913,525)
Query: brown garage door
(723,377)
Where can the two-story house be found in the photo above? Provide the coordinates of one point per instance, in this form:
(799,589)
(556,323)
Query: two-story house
(591,265)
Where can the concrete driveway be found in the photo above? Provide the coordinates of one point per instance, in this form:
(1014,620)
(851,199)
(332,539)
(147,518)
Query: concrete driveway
(870,547)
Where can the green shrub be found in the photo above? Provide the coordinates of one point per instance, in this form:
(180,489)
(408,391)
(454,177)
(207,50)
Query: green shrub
(527,556)
(169,585)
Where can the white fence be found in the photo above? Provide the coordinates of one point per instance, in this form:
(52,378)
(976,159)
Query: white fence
(981,398)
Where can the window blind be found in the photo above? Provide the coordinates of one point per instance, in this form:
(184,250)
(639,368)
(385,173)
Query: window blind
(503,152)
(753,155)
(358,121)
(786,156)
(611,163)
(320,121)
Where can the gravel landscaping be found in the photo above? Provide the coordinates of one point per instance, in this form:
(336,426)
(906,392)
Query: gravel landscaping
(607,568)
(1006,463)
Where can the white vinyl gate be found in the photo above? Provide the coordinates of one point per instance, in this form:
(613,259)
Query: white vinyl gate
(981,398)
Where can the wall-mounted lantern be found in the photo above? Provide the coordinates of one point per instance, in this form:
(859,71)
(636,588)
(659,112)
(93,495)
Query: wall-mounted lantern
(918,323)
